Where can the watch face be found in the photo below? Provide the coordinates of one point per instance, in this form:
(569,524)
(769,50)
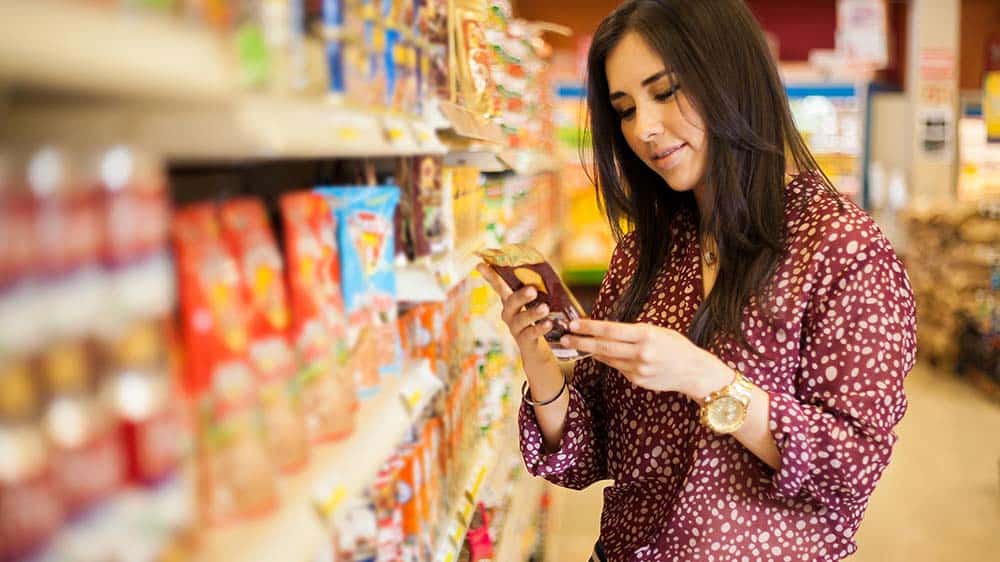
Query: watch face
(726,414)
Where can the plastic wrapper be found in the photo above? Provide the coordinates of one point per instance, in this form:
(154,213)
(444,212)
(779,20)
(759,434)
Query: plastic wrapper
(366,236)
(248,233)
(235,477)
(520,265)
(319,326)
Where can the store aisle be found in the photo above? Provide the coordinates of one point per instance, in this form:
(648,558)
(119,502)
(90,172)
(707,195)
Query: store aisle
(939,500)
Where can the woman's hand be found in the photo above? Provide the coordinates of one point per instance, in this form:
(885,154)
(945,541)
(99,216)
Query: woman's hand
(524,323)
(650,356)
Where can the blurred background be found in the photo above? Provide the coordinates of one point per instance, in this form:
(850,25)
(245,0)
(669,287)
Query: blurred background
(238,313)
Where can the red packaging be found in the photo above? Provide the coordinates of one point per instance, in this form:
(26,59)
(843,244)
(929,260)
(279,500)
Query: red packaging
(412,498)
(318,324)
(247,231)
(80,429)
(29,501)
(236,477)
(389,509)
(149,420)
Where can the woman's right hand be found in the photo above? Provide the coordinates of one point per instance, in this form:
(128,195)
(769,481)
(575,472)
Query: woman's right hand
(527,325)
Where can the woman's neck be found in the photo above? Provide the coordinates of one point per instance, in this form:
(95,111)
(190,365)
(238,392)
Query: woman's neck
(704,197)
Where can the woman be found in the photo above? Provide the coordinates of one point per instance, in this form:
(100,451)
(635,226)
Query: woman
(750,340)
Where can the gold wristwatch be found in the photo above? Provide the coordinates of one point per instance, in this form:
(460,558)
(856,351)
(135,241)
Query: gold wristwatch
(725,410)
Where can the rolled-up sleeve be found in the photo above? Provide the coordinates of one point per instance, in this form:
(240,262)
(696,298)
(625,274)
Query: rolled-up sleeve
(581,458)
(835,433)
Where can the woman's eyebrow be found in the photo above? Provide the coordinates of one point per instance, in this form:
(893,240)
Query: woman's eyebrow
(649,80)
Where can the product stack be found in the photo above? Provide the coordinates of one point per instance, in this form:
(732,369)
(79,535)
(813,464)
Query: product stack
(956,278)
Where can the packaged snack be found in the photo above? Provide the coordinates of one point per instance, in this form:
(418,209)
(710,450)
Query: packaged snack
(433,195)
(432,28)
(374,46)
(365,232)
(140,392)
(326,380)
(520,265)
(80,428)
(248,234)
(29,499)
(387,498)
(467,203)
(356,533)
(476,86)
(411,498)
(333,35)
(236,478)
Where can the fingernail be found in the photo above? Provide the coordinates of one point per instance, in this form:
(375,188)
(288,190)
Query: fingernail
(574,325)
(564,341)
(543,310)
(531,293)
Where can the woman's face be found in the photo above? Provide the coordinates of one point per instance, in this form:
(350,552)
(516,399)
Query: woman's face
(659,123)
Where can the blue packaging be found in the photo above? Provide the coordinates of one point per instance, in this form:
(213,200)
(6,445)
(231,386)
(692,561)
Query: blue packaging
(366,237)
(333,31)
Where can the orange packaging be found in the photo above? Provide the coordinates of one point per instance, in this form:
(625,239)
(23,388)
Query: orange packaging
(235,476)
(318,324)
(248,233)
(411,498)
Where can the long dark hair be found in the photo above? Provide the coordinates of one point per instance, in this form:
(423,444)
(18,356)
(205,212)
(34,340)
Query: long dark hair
(722,63)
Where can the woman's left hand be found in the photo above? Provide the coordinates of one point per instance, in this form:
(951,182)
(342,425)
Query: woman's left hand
(650,356)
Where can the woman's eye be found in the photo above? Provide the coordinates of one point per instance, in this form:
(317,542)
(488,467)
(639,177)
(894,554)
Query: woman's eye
(667,94)
(626,113)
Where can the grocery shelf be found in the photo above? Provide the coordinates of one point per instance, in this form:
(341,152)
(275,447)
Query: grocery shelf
(465,123)
(246,127)
(517,536)
(530,162)
(449,542)
(337,472)
(431,279)
(70,46)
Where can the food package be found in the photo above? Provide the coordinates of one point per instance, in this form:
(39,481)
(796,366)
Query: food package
(475,85)
(467,203)
(236,477)
(319,327)
(521,265)
(248,233)
(432,29)
(333,38)
(366,236)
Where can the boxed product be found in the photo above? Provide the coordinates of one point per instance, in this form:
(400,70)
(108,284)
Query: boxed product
(365,232)
(521,265)
(248,233)
(319,326)
(236,478)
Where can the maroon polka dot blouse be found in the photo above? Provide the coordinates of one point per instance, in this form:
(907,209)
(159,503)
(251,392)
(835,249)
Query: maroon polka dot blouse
(837,336)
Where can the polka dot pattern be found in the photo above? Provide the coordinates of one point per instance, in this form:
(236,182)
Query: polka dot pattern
(835,332)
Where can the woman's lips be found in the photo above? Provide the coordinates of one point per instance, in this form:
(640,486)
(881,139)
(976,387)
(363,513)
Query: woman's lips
(668,157)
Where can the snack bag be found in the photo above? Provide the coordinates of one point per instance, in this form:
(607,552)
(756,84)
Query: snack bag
(374,40)
(318,321)
(365,232)
(248,233)
(476,86)
(432,27)
(520,265)
(236,478)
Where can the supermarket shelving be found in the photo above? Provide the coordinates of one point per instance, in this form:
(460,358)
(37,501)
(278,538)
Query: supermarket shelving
(431,279)
(449,542)
(518,533)
(246,127)
(68,46)
(337,472)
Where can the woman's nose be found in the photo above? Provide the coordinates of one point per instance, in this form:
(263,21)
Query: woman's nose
(650,125)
